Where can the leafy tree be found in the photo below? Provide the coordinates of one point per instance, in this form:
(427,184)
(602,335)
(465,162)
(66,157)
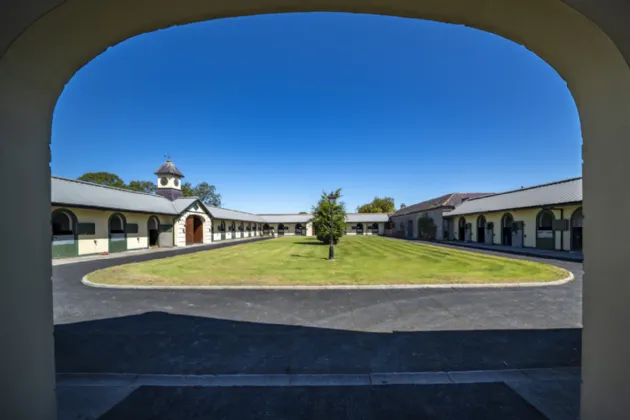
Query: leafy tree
(142,186)
(378,205)
(208,194)
(322,218)
(103,178)
(187,189)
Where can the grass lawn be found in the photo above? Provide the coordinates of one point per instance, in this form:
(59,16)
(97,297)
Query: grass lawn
(303,261)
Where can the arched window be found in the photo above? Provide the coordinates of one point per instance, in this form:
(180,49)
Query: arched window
(545,220)
(462,222)
(507,220)
(63,222)
(222,226)
(577,219)
(241,227)
(481,222)
(116,223)
(249,227)
(154,223)
(233,227)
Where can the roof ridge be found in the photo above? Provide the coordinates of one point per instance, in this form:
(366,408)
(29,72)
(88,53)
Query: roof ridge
(528,188)
(93,184)
(225,208)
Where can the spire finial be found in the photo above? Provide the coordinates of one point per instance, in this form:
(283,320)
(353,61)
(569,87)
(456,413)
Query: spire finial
(168,156)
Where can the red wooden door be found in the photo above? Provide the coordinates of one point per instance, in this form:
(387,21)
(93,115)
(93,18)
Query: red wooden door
(198,231)
(190,229)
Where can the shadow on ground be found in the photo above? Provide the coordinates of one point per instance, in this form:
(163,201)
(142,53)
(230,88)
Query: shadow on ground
(157,342)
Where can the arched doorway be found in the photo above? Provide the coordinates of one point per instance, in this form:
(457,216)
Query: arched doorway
(596,72)
(481,229)
(222,229)
(299,229)
(265,229)
(507,221)
(241,230)
(65,238)
(577,219)
(374,228)
(409,232)
(359,228)
(153,229)
(545,235)
(117,233)
(194,230)
(281,229)
(461,229)
(249,230)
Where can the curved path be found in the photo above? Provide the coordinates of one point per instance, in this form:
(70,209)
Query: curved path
(340,331)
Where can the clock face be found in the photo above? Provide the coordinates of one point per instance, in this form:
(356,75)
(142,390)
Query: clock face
(176,182)
(164,181)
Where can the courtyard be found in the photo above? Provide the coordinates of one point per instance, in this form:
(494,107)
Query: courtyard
(302,261)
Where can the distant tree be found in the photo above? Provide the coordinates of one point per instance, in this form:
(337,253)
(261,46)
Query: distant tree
(322,218)
(378,205)
(103,178)
(207,194)
(303,212)
(142,186)
(187,189)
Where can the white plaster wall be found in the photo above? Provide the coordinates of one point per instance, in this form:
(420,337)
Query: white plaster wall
(170,184)
(179,227)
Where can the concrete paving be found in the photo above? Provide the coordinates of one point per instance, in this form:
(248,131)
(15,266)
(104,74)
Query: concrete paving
(311,332)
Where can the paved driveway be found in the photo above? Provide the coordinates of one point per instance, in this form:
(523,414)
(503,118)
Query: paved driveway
(146,331)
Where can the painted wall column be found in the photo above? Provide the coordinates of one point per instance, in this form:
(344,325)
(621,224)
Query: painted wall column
(26,312)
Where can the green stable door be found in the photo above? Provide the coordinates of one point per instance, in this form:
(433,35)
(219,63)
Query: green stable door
(117,242)
(64,246)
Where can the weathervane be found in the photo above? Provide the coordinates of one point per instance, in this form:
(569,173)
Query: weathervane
(168,156)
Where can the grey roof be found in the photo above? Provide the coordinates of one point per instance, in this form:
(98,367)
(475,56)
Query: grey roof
(447,201)
(70,192)
(560,192)
(168,168)
(366,217)
(287,218)
(182,203)
(227,214)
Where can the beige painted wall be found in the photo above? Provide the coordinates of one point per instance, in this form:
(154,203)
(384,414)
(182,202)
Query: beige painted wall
(170,184)
(528,216)
(99,242)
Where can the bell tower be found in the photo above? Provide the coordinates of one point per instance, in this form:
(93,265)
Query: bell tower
(169,180)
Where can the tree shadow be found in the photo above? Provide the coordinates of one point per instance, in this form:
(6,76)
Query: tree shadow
(311,243)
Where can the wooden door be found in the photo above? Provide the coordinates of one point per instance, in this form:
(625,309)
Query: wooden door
(198,231)
(190,230)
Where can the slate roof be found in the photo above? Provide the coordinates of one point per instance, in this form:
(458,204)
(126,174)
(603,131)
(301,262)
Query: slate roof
(168,168)
(227,214)
(555,193)
(69,192)
(287,218)
(445,201)
(366,217)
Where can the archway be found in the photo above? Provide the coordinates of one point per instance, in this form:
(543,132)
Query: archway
(299,229)
(233,229)
(358,228)
(65,238)
(374,228)
(194,230)
(481,229)
(281,229)
(596,72)
(577,220)
(265,229)
(506,229)
(117,233)
(545,235)
(461,229)
(249,230)
(222,229)
(153,229)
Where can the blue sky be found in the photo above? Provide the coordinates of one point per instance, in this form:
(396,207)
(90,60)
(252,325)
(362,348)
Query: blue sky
(273,109)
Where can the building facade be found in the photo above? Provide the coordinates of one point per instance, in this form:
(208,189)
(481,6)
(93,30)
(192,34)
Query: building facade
(547,216)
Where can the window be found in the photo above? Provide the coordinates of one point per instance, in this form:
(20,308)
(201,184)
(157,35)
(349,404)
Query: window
(116,224)
(62,223)
(545,221)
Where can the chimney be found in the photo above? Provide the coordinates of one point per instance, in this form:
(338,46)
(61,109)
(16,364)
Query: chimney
(402,206)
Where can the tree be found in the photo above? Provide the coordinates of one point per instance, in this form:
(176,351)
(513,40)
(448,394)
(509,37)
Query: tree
(378,205)
(322,220)
(142,186)
(207,194)
(187,189)
(103,178)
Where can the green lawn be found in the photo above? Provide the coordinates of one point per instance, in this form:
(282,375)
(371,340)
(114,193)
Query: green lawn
(303,261)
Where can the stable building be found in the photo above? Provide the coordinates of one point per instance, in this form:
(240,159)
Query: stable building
(424,220)
(366,223)
(547,216)
(288,224)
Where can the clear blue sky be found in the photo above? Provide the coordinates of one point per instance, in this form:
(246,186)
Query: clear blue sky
(273,109)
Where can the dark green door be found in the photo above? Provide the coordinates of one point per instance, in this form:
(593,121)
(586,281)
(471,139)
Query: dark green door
(117,233)
(64,246)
